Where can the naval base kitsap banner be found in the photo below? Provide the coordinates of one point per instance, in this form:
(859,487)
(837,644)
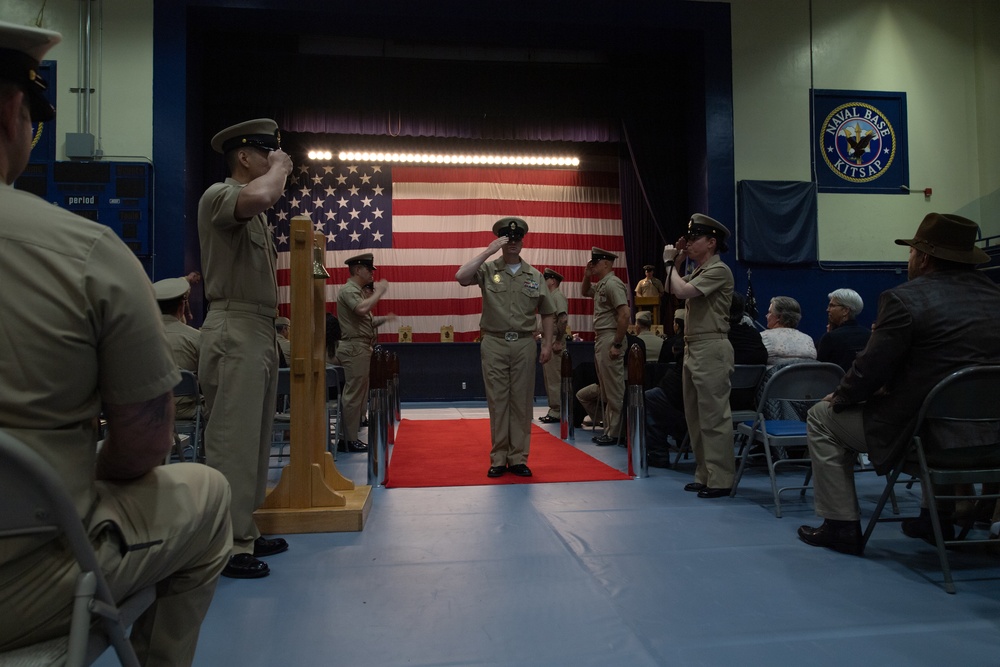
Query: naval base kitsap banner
(859,141)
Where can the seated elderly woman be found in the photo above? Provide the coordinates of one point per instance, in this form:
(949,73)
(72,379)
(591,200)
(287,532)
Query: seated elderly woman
(782,339)
(844,337)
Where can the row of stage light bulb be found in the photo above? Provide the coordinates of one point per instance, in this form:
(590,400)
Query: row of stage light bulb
(529,160)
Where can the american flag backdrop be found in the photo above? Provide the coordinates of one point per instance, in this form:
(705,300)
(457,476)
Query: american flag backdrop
(423,223)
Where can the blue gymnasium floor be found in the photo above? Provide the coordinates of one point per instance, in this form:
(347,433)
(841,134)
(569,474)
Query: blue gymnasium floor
(600,573)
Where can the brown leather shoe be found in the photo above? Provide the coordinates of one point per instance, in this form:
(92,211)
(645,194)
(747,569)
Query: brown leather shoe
(841,536)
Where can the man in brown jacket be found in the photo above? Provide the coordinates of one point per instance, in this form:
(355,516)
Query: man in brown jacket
(941,320)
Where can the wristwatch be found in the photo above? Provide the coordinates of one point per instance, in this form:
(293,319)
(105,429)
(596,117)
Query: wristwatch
(617,345)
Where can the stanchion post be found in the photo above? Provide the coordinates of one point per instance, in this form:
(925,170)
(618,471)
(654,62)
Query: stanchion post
(397,403)
(636,417)
(391,387)
(376,418)
(566,429)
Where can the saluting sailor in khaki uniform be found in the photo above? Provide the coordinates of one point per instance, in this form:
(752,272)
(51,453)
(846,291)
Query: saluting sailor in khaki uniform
(358,336)
(513,293)
(611,316)
(552,369)
(238,364)
(88,336)
(708,354)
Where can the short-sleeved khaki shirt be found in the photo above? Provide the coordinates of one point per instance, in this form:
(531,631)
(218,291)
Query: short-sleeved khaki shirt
(559,302)
(511,301)
(609,294)
(354,326)
(238,257)
(184,342)
(81,327)
(709,313)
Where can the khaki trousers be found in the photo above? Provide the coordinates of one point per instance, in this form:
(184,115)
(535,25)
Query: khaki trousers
(170,528)
(708,365)
(835,440)
(509,376)
(611,378)
(238,373)
(552,376)
(355,357)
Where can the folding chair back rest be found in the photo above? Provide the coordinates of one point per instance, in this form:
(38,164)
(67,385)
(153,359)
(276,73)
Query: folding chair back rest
(961,408)
(801,382)
(747,376)
(36,504)
(188,386)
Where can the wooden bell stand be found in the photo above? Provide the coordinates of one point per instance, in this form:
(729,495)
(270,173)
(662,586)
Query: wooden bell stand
(311,496)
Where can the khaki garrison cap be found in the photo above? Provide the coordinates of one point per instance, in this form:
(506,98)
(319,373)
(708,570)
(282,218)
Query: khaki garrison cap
(282,322)
(261,133)
(171,288)
(549,273)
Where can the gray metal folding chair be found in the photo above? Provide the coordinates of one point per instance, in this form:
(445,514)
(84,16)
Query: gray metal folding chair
(194,428)
(962,408)
(36,503)
(805,383)
(745,376)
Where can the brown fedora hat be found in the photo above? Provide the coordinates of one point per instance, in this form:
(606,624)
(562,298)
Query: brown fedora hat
(949,237)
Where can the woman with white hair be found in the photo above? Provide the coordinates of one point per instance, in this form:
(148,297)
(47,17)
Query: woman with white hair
(844,337)
(782,339)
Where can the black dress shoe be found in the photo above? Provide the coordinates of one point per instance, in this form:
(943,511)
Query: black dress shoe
(263,546)
(841,536)
(496,471)
(245,566)
(605,440)
(351,446)
(520,470)
(695,486)
(548,419)
(921,528)
(709,492)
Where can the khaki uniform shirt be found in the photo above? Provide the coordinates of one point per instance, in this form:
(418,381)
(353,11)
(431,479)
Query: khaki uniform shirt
(239,257)
(184,342)
(609,294)
(709,315)
(561,305)
(354,327)
(80,328)
(510,301)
